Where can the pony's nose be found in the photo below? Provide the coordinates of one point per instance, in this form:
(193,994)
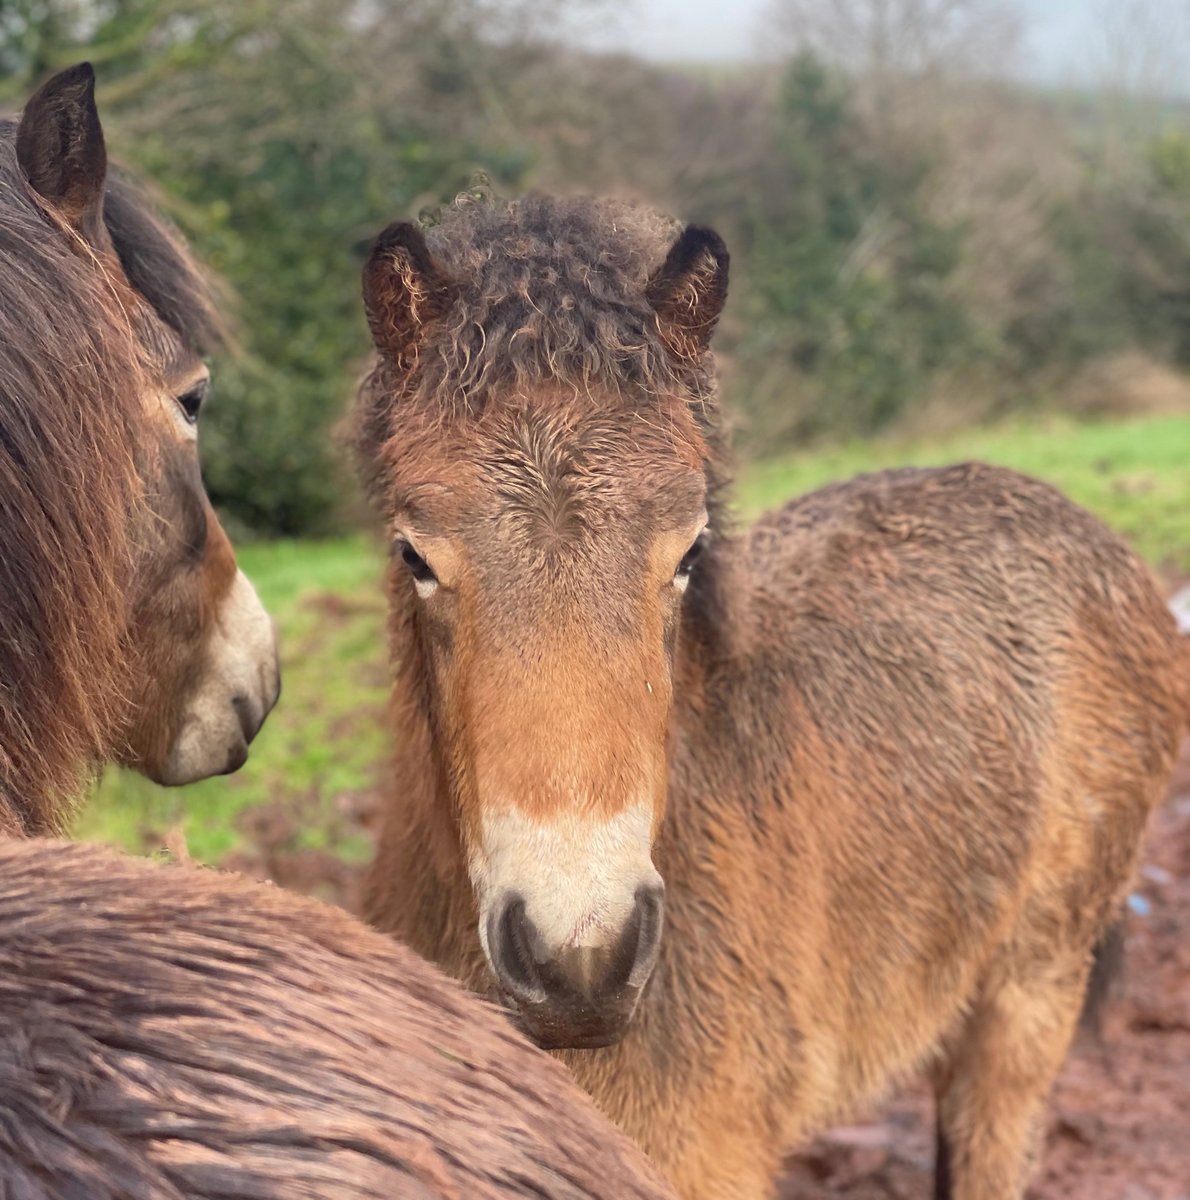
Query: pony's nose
(252,710)
(580,995)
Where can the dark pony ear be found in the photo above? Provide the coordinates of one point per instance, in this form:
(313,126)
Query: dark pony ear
(61,152)
(404,291)
(689,289)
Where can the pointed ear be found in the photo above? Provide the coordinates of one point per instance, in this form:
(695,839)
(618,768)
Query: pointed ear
(404,291)
(689,289)
(61,153)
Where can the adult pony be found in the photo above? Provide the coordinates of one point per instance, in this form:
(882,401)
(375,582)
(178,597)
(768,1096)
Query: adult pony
(883,762)
(173,1034)
(126,631)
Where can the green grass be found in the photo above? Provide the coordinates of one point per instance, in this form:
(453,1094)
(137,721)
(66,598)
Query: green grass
(322,745)
(327,740)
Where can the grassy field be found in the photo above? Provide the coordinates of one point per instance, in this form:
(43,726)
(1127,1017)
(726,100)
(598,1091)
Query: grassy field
(1134,474)
(322,752)
(324,742)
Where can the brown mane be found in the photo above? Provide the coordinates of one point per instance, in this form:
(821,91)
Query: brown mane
(541,288)
(161,268)
(71,381)
(547,288)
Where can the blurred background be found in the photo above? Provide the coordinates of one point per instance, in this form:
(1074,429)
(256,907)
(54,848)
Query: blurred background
(959,228)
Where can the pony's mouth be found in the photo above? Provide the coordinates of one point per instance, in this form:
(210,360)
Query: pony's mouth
(566,1029)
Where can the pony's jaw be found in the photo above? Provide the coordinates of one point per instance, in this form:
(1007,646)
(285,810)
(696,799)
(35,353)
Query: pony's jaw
(235,693)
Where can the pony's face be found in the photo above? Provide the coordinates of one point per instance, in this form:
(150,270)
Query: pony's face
(205,658)
(542,548)
(202,655)
(547,565)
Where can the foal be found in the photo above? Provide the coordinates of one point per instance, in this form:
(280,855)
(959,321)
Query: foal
(883,762)
(126,631)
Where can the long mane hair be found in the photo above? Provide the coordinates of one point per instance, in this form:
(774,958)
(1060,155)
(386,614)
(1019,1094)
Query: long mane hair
(73,379)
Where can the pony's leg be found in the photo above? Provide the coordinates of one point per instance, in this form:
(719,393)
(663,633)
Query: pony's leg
(993,1084)
(943,1187)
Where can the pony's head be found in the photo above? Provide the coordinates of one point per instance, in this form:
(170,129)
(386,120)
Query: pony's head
(539,433)
(121,587)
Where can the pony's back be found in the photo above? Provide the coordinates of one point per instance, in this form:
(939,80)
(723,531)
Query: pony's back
(172,1032)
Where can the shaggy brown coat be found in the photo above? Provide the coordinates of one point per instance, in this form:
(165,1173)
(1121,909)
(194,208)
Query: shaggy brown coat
(112,564)
(68,486)
(917,719)
(173,1034)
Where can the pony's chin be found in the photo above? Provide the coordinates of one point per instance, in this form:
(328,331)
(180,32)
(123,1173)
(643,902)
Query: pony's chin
(594,1041)
(566,1029)
(191,763)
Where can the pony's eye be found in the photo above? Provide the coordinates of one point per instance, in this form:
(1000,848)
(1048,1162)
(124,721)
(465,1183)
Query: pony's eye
(686,566)
(191,400)
(422,572)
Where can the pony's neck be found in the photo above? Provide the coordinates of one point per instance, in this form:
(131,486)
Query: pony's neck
(418,888)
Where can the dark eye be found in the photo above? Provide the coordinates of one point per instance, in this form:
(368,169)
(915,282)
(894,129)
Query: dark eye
(191,400)
(691,557)
(418,567)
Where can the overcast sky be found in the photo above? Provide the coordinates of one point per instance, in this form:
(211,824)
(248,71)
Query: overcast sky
(1061,37)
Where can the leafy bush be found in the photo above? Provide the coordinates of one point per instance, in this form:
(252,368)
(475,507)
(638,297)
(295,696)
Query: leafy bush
(850,311)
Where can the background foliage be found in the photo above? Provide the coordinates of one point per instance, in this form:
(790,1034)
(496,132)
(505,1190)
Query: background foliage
(913,242)
(922,250)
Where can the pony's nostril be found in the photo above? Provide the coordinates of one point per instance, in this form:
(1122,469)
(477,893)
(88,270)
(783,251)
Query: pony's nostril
(511,939)
(236,759)
(270,685)
(246,712)
(635,954)
(648,919)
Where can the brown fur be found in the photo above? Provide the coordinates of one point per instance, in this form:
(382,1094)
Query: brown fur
(917,720)
(172,1034)
(68,485)
(111,560)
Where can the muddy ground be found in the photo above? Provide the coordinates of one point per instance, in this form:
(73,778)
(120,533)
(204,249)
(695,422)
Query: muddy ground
(1119,1124)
